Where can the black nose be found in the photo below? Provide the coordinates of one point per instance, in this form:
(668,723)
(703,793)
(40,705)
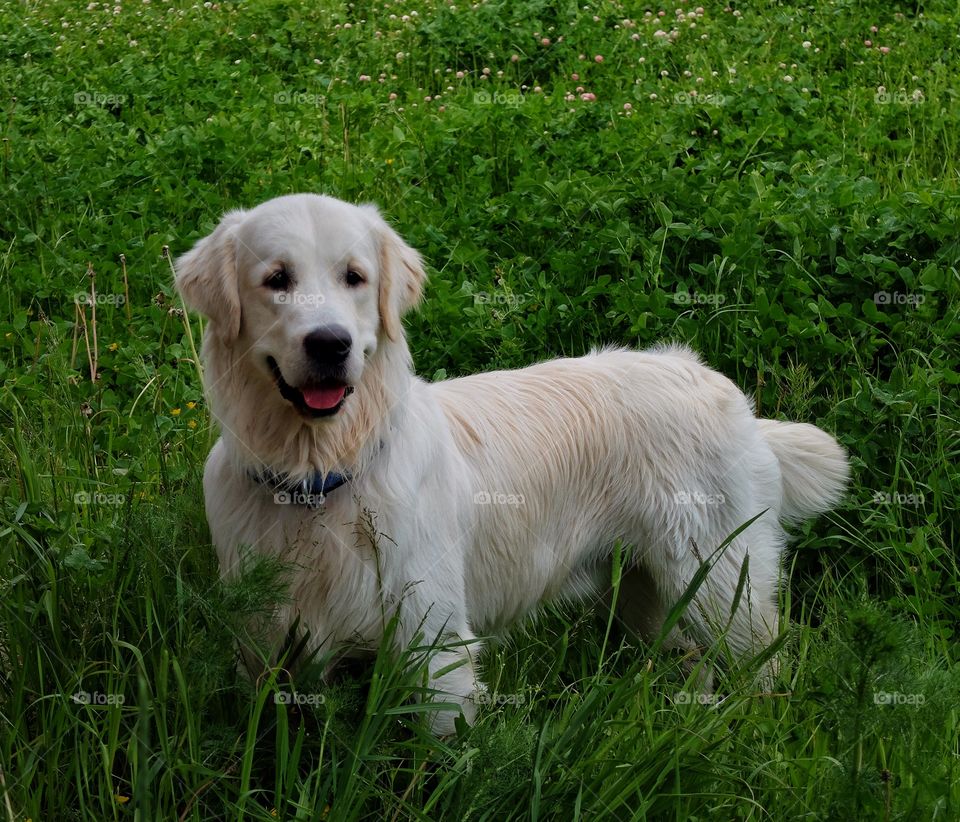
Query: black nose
(329,345)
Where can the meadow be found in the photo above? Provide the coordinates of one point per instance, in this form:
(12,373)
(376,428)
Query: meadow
(774,184)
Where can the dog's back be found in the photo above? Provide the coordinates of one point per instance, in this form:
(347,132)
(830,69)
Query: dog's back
(651,448)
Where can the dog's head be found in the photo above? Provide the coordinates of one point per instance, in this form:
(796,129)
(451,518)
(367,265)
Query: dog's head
(304,289)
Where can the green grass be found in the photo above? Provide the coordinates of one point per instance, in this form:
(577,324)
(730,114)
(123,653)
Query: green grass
(761,221)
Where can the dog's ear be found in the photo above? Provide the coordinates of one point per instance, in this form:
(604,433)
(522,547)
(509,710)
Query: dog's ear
(401,275)
(207,278)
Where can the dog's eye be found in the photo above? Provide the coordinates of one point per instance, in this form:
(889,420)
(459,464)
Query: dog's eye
(279,279)
(354,278)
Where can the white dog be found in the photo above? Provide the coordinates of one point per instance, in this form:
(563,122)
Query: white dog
(461,506)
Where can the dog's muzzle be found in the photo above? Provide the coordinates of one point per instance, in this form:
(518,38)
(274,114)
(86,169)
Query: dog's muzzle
(318,397)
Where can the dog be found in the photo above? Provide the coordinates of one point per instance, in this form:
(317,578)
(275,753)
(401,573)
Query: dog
(457,508)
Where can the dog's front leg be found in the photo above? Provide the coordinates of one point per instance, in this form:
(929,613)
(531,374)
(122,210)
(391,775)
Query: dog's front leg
(432,622)
(451,678)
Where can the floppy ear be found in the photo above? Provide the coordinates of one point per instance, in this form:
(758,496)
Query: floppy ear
(401,276)
(207,278)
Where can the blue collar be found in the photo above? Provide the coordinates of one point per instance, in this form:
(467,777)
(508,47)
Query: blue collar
(310,492)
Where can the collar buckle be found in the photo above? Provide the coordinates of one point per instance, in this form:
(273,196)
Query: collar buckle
(312,496)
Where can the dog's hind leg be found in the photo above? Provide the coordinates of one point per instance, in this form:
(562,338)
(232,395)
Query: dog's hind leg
(643,611)
(737,602)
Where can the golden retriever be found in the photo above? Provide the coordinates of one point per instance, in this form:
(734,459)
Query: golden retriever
(460,506)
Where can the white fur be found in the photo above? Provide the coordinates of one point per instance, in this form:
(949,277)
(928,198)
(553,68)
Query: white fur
(474,500)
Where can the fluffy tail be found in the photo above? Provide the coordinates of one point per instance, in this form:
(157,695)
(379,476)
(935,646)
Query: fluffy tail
(813,465)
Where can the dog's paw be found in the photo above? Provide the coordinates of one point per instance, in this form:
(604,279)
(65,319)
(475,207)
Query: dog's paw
(443,721)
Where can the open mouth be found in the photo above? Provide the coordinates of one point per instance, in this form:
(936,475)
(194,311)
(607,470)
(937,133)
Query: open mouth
(318,398)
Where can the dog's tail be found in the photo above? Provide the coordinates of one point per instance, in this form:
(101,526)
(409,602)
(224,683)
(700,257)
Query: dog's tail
(813,465)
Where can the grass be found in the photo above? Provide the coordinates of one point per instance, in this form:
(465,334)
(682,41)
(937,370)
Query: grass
(796,220)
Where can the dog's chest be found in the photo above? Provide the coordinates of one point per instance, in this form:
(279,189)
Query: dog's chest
(328,554)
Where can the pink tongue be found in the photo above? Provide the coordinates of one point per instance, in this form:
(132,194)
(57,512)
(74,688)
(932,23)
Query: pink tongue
(323,398)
